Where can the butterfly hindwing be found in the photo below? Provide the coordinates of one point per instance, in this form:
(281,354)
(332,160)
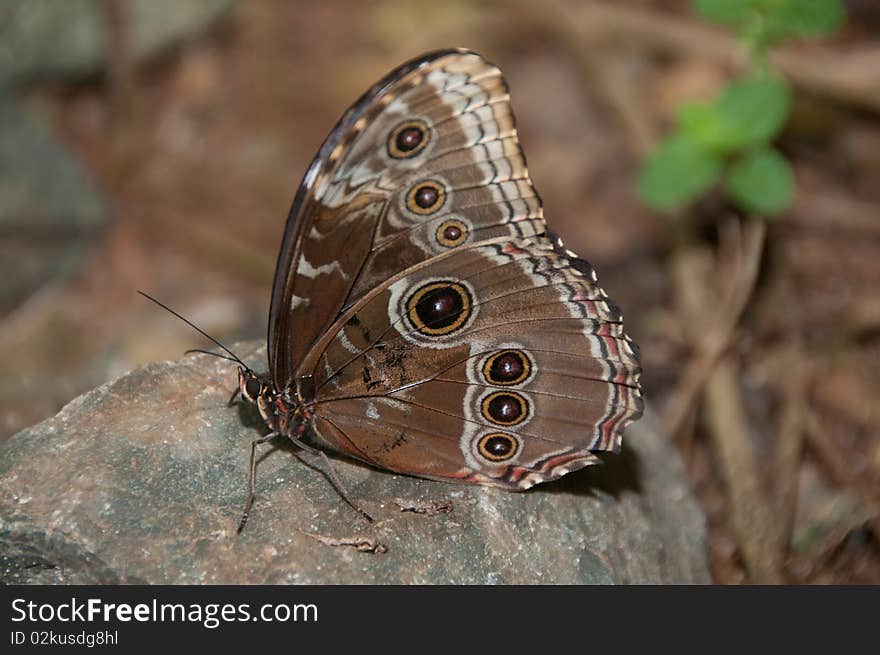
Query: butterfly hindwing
(502,363)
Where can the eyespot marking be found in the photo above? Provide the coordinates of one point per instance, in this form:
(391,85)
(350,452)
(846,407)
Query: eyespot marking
(507,368)
(408,139)
(452,233)
(498,446)
(504,408)
(426,197)
(439,308)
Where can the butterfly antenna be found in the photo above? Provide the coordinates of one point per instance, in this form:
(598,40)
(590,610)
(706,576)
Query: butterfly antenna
(208,352)
(233,357)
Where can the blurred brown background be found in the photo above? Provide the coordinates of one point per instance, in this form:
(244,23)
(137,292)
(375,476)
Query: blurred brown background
(158,145)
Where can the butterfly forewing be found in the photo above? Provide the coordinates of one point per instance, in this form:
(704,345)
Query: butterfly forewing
(426,162)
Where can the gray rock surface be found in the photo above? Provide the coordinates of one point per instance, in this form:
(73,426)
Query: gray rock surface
(67,38)
(50,209)
(142,480)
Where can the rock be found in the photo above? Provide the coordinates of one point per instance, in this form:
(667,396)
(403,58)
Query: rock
(50,209)
(51,39)
(142,480)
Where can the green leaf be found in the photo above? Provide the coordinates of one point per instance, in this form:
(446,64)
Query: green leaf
(762,33)
(746,113)
(678,171)
(702,122)
(761,23)
(754,109)
(808,17)
(727,12)
(762,182)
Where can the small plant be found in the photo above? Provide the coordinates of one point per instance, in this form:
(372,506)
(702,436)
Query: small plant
(730,138)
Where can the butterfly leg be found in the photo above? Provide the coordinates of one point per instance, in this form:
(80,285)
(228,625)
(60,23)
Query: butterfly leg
(253,478)
(334,476)
(233,397)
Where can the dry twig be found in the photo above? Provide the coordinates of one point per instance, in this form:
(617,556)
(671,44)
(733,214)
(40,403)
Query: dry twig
(740,257)
(852,76)
(789,442)
(426,507)
(750,516)
(710,309)
(361,544)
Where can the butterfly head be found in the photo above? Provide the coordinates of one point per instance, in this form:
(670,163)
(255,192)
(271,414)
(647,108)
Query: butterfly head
(256,389)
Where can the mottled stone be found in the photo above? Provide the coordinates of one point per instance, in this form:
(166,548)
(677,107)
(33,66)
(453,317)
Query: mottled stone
(143,480)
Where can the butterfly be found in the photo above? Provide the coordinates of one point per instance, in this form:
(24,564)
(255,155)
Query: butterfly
(424,320)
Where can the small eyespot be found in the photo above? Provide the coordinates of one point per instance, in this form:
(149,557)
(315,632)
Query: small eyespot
(452,233)
(426,197)
(507,367)
(439,308)
(498,446)
(408,139)
(505,408)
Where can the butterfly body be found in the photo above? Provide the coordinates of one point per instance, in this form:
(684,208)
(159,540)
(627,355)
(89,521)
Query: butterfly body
(424,320)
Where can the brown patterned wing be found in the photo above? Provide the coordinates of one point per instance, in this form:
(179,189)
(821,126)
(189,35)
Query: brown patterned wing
(501,363)
(425,163)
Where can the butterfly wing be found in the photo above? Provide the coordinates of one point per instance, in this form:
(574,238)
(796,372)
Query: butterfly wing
(427,161)
(500,362)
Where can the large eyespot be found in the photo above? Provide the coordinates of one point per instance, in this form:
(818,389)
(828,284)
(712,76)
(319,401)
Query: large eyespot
(408,139)
(439,308)
(498,446)
(504,408)
(425,197)
(507,367)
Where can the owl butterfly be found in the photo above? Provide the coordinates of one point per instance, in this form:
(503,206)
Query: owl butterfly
(424,320)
